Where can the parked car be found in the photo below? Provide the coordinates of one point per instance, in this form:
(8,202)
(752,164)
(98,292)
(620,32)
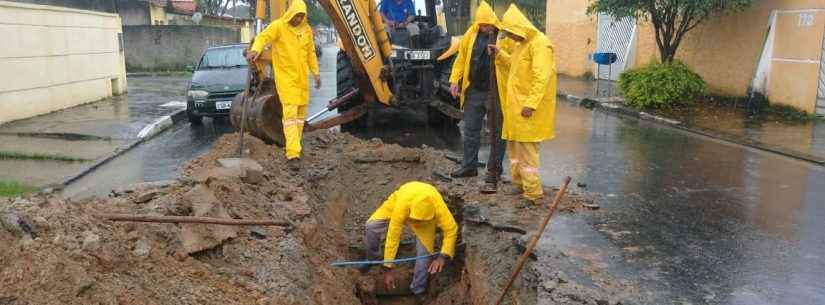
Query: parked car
(221,74)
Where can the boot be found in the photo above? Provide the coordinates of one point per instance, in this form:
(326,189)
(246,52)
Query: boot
(489,188)
(525,203)
(490,184)
(512,189)
(464,172)
(294,165)
(420,299)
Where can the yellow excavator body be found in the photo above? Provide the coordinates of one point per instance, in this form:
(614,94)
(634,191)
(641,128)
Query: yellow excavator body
(376,73)
(364,40)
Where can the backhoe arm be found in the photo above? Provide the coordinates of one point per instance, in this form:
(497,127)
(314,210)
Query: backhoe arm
(365,41)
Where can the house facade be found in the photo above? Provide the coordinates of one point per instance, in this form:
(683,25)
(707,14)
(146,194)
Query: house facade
(774,48)
(57,57)
(177,12)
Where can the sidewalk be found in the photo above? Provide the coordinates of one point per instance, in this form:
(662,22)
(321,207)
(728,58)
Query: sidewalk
(48,149)
(723,121)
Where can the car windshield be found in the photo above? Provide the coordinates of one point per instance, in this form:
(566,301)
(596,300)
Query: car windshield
(222,58)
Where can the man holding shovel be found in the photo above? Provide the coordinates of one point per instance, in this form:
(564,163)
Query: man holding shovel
(470,81)
(293,55)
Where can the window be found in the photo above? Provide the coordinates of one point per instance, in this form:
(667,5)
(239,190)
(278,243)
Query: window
(222,58)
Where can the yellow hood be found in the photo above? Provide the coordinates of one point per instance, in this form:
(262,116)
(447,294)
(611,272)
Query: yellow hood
(486,15)
(423,210)
(297,6)
(515,22)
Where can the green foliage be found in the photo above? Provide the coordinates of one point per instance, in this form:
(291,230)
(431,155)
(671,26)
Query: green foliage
(671,19)
(213,7)
(316,14)
(13,189)
(644,9)
(660,85)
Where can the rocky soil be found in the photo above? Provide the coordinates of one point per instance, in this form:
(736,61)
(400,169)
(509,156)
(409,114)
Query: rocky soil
(56,251)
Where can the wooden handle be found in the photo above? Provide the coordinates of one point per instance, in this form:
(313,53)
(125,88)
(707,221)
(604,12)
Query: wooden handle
(534,240)
(193,219)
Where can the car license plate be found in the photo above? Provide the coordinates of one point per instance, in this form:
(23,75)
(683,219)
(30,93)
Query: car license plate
(223,105)
(418,55)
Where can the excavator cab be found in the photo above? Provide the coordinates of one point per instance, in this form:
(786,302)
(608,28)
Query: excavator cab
(417,78)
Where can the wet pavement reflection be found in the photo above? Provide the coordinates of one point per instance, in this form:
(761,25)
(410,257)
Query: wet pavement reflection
(687,218)
(156,160)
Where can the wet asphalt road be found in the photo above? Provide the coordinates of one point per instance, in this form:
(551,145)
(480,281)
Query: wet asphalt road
(684,220)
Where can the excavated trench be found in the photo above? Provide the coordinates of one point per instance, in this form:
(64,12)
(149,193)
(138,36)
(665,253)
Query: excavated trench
(352,190)
(60,253)
(354,183)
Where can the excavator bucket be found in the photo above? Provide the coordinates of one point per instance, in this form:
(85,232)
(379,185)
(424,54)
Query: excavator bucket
(263,113)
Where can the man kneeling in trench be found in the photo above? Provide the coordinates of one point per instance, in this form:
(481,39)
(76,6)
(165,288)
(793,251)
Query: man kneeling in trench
(420,206)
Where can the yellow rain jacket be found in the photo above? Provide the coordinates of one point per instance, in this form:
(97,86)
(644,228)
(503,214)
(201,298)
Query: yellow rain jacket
(531,81)
(417,201)
(461,65)
(505,46)
(293,54)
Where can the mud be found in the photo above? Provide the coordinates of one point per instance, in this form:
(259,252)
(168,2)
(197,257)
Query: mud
(58,251)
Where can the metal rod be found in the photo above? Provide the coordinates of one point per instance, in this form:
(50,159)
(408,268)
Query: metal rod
(494,117)
(314,116)
(334,103)
(534,240)
(243,109)
(398,260)
(193,219)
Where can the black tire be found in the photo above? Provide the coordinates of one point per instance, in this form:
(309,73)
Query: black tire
(220,119)
(435,117)
(345,82)
(194,119)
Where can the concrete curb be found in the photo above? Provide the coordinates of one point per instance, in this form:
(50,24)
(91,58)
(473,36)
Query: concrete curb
(148,132)
(155,74)
(616,105)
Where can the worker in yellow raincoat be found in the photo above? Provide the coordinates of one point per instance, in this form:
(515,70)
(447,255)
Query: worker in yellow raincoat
(529,102)
(420,206)
(470,82)
(293,56)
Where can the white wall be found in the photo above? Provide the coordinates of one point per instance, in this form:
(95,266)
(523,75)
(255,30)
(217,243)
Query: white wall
(54,58)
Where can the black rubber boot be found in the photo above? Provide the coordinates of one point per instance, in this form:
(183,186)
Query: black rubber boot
(294,165)
(490,184)
(489,188)
(465,172)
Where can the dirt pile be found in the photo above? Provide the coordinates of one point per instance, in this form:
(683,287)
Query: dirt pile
(59,252)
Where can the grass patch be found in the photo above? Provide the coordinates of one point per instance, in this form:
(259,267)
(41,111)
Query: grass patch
(13,189)
(14,155)
(790,113)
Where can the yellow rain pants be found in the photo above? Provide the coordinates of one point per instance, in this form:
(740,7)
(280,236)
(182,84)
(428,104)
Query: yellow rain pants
(293,120)
(524,167)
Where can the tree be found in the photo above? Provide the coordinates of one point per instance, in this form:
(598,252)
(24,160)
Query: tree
(671,19)
(214,7)
(316,14)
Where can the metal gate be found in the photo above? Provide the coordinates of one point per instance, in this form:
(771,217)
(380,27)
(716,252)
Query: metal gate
(614,36)
(820,95)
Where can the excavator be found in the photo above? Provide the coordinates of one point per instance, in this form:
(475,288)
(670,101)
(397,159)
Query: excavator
(377,67)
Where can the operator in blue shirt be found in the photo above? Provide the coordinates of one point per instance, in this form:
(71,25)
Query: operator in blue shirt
(399,14)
